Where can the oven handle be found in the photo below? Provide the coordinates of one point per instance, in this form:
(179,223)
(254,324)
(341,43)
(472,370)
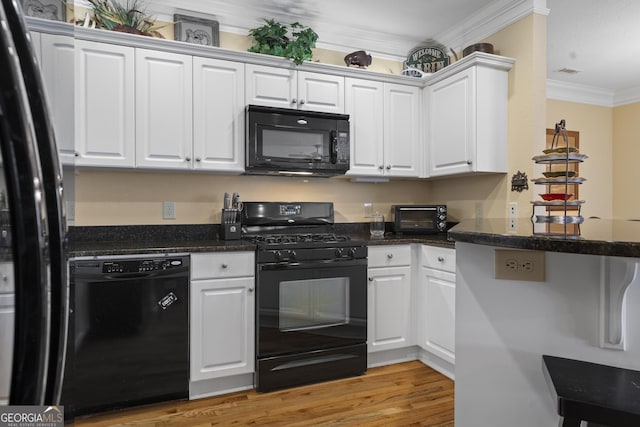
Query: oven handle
(288,265)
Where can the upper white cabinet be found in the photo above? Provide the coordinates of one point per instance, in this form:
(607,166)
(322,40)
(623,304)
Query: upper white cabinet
(218,115)
(467,121)
(385,121)
(104,104)
(164,109)
(285,88)
(435,302)
(56,56)
(389,298)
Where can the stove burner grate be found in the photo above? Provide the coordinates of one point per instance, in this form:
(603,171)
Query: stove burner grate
(276,239)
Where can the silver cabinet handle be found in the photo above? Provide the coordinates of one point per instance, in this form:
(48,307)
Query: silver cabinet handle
(293,101)
(390,256)
(440,259)
(225,265)
(371,279)
(381,167)
(250,290)
(198,159)
(388,167)
(76,154)
(187,159)
(302,101)
(469,162)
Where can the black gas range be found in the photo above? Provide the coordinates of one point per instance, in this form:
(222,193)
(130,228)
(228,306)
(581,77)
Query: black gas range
(311,290)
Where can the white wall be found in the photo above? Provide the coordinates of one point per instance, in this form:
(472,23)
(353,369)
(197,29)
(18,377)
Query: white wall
(504,327)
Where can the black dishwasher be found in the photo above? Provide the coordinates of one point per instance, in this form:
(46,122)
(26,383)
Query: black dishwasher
(130,323)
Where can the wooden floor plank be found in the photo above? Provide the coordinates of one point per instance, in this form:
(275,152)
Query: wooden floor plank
(404,394)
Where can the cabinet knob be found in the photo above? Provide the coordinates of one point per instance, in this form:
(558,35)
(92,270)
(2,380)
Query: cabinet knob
(469,162)
(198,159)
(440,259)
(371,279)
(293,101)
(390,256)
(76,154)
(302,101)
(380,167)
(187,159)
(388,167)
(225,265)
(250,290)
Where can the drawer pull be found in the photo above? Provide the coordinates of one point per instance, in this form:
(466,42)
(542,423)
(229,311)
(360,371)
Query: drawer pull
(225,265)
(440,259)
(250,290)
(390,256)
(371,279)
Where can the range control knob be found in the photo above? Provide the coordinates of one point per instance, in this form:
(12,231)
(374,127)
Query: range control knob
(277,255)
(352,252)
(292,255)
(339,252)
(442,225)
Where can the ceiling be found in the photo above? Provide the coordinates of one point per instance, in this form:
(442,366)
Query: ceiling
(586,35)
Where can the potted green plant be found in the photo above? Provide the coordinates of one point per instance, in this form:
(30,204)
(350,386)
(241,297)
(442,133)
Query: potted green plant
(271,39)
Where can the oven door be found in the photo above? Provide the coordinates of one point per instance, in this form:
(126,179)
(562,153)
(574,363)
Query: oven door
(310,306)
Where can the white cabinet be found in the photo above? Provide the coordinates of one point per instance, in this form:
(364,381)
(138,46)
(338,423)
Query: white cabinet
(7,315)
(222,316)
(56,57)
(435,302)
(467,126)
(104,104)
(389,298)
(285,88)
(218,115)
(385,121)
(164,109)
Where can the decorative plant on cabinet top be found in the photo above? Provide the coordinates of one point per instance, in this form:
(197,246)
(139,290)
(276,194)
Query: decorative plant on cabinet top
(272,39)
(127,18)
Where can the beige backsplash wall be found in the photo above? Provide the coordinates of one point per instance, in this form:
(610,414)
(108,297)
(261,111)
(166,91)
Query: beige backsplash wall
(626,152)
(131,198)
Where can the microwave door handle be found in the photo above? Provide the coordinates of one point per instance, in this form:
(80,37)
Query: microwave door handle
(333,147)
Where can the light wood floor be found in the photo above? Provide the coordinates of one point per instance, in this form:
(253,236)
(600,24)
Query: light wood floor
(404,394)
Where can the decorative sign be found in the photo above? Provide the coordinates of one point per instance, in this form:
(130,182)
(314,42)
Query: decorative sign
(519,182)
(428,59)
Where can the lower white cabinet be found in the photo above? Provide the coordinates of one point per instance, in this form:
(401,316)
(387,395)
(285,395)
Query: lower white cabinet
(389,298)
(435,302)
(222,301)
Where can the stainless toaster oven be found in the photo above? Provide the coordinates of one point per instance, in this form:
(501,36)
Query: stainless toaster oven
(419,219)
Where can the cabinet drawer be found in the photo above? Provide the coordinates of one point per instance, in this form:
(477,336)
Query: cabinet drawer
(439,258)
(389,256)
(222,264)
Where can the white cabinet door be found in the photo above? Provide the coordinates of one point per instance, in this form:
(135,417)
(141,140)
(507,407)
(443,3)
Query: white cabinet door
(468,115)
(104,104)
(218,115)
(164,118)
(221,327)
(436,312)
(451,125)
(389,302)
(284,88)
(364,105)
(56,63)
(320,92)
(271,86)
(7,315)
(402,130)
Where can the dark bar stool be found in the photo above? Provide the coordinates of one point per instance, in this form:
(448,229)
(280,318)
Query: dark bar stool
(600,394)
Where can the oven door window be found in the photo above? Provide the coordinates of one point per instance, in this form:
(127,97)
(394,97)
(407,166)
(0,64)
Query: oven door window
(418,219)
(314,303)
(310,306)
(294,144)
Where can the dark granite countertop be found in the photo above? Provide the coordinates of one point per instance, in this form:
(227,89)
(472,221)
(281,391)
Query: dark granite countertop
(593,237)
(158,239)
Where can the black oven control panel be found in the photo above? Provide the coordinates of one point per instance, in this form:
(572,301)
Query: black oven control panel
(140,266)
(311,254)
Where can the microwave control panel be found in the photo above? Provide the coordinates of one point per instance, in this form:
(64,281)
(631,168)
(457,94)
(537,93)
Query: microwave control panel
(342,147)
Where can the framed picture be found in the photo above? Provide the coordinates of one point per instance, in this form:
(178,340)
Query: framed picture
(196,30)
(46,9)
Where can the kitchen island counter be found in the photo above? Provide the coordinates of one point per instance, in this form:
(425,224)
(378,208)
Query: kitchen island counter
(596,236)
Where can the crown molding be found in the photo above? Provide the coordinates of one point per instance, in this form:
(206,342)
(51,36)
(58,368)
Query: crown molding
(583,94)
(490,20)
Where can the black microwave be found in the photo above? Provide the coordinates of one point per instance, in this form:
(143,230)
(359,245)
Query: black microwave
(419,219)
(294,142)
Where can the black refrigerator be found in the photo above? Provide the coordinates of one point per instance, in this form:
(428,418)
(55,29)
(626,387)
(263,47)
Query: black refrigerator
(32,225)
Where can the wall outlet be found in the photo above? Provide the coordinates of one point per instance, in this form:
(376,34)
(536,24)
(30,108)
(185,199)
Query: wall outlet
(512,264)
(168,210)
